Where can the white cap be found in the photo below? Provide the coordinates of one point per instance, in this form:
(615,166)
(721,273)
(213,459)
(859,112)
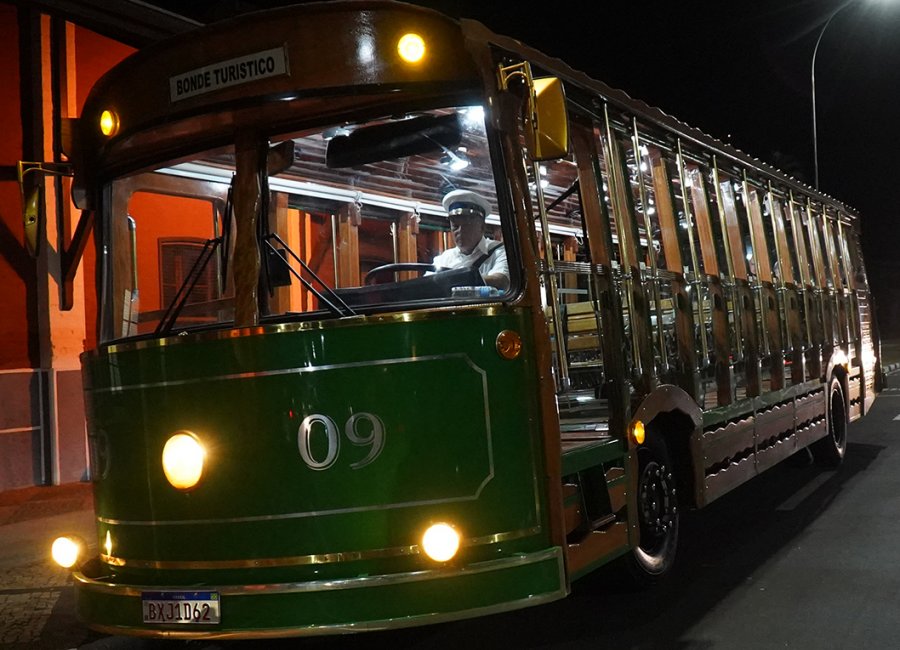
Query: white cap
(465,198)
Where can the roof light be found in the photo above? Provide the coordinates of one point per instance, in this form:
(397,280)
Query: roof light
(411,48)
(473,116)
(109,123)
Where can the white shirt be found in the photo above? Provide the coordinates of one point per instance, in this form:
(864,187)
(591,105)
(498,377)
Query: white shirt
(495,263)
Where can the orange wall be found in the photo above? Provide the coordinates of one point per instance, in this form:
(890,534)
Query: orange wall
(16,267)
(158,216)
(18,289)
(94,55)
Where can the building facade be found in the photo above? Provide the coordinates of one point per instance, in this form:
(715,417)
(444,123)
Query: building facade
(51,53)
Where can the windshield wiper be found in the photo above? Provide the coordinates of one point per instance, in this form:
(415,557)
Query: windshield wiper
(333,302)
(187,285)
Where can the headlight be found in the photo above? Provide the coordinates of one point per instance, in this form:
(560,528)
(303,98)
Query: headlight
(182,460)
(66,550)
(440,542)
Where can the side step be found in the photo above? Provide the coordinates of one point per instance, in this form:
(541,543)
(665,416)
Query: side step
(594,493)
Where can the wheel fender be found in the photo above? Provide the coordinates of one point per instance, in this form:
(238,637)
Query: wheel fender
(668,398)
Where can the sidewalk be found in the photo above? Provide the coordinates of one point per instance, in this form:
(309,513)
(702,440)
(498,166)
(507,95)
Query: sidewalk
(31,584)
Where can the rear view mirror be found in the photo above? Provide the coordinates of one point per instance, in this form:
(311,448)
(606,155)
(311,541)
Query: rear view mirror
(418,135)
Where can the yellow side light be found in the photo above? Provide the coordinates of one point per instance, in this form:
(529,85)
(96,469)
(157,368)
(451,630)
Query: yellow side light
(66,550)
(109,123)
(440,542)
(637,432)
(411,48)
(182,460)
(509,344)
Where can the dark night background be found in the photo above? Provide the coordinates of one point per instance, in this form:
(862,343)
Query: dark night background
(740,71)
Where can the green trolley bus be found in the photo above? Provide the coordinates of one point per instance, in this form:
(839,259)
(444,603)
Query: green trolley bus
(304,420)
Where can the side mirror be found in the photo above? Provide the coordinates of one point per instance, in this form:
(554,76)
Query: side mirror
(547,129)
(30,218)
(546,122)
(31,198)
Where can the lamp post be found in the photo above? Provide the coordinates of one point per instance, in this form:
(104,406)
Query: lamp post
(813,83)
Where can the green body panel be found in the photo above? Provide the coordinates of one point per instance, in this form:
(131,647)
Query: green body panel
(461,443)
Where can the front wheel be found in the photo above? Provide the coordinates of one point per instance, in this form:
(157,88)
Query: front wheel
(830,450)
(658,514)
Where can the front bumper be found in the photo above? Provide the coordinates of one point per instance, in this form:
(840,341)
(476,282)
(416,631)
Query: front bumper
(338,606)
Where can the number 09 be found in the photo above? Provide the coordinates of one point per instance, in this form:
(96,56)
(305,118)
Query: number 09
(324,425)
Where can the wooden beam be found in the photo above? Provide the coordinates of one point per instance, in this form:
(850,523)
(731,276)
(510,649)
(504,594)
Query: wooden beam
(133,23)
(407,242)
(349,220)
(250,156)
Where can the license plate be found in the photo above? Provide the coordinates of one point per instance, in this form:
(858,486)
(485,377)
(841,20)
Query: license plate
(181,607)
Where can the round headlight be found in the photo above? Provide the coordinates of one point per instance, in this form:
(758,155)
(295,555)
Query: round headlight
(182,460)
(66,550)
(440,542)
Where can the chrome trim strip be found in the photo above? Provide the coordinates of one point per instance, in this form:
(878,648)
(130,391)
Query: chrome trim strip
(135,591)
(449,311)
(305,560)
(285,371)
(291,515)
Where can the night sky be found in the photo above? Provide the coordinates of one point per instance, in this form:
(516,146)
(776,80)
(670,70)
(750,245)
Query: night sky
(739,71)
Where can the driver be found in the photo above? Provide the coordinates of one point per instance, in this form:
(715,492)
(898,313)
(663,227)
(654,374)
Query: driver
(467,211)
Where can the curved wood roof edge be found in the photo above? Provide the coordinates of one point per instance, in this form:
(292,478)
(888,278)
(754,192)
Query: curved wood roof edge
(621,99)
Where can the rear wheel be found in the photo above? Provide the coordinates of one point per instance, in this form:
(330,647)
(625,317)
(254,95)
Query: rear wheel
(658,514)
(830,450)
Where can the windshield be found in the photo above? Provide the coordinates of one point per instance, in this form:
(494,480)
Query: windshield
(358,217)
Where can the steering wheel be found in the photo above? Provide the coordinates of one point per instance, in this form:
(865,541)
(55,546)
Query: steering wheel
(395,268)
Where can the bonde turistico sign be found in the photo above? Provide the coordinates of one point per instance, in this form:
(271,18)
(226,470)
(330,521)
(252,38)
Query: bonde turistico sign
(243,69)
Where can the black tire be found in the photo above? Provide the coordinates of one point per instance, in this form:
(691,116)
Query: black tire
(830,450)
(658,515)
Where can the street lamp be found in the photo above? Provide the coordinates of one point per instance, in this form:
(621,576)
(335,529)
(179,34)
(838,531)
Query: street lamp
(834,13)
(813,82)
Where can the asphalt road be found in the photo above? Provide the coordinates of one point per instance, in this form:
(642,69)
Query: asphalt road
(800,557)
